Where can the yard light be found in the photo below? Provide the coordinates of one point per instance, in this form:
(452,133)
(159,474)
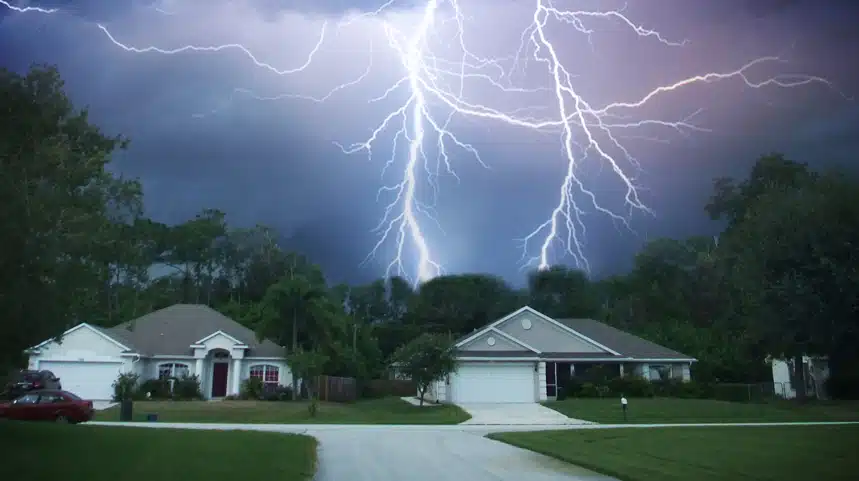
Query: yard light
(623,405)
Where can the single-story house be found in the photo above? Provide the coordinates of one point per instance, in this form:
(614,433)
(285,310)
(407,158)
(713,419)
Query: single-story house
(525,356)
(171,342)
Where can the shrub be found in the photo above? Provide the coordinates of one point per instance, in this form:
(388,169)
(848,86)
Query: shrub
(572,387)
(593,390)
(843,385)
(156,388)
(631,387)
(125,386)
(187,387)
(274,392)
(251,388)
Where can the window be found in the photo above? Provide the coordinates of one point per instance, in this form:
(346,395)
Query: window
(27,399)
(268,373)
(51,398)
(170,370)
(660,372)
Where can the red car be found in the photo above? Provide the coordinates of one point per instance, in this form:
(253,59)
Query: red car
(48,405)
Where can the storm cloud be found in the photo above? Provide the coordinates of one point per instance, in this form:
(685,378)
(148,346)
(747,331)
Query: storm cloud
(224,130)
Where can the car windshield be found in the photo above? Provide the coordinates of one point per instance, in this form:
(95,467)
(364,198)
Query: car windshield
(30,376)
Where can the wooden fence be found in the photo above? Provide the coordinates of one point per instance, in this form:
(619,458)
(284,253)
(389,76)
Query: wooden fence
(337,389)
(389,387)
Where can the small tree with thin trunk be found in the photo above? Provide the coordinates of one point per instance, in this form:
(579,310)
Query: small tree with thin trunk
(308,366)
(425,360)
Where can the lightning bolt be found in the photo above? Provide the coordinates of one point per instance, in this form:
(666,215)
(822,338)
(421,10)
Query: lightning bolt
(433,88)
(27,9)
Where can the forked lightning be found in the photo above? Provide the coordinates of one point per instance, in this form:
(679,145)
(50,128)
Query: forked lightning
(433,88)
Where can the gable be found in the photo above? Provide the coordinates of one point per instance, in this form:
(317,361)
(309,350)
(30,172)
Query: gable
(80,341)
(494,342)
(545,335)
(219,340)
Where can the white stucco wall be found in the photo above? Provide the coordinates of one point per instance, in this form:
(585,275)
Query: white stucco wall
(82,344)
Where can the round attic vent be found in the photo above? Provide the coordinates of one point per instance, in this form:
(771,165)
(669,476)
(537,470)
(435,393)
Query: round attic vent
(490,341)
(526,323)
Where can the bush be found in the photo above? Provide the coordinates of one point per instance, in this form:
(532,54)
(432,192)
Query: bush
(274,392)
(156,388)
(593,390)
(187,388)
(251,388)
(573,387)
(125,386)
(631,387)
(843,385)
(378,388)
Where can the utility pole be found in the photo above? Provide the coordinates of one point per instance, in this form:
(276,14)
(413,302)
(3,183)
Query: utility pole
(354,335)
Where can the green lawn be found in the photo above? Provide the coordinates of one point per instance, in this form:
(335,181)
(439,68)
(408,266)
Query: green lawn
(759,453)
(677,411)
(376,411)
(100,453)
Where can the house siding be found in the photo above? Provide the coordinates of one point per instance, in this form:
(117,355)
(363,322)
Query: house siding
(83,344)
(501,344)
(545,336)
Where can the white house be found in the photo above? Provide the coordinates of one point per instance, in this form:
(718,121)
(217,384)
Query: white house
(180,339)
(526,356)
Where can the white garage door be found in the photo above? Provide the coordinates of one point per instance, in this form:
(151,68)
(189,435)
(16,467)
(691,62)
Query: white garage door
(494,383)
(88,380)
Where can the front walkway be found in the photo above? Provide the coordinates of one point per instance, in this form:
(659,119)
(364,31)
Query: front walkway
(516,414)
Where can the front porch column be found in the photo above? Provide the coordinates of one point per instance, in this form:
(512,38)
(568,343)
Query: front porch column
(237,376)
(541,381)
(198,369)
(621,370)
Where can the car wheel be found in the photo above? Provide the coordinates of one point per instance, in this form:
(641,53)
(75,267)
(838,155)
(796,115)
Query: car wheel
(60,419)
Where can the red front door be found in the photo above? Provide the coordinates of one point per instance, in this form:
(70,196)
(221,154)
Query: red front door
(219,379)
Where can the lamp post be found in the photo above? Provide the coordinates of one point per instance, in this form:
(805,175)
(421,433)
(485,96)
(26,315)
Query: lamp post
(624,405)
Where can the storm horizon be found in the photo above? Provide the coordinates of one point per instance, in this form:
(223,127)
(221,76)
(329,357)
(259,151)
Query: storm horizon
(266,116)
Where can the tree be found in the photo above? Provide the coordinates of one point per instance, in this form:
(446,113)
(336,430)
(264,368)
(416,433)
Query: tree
(795,261)
(461,303)
(57,208)
(425,360)
(562,292)
(296,311)
(308,366)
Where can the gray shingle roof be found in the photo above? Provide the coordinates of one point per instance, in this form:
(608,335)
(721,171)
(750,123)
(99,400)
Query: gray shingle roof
(171,331)
(627,344)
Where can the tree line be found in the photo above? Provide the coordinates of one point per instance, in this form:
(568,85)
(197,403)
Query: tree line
(780,280)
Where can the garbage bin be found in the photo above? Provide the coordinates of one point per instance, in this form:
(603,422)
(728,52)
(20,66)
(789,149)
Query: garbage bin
(126,410)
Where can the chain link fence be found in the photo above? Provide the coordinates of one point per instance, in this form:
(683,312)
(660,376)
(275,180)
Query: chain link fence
(755,392)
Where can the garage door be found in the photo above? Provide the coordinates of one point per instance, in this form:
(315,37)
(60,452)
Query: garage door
(89,380)
(494,383)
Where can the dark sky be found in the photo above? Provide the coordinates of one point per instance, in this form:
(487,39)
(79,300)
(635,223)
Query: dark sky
(229,129)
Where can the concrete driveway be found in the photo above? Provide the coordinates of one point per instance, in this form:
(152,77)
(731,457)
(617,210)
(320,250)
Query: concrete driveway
(415,453)
(516,414)
(395,455)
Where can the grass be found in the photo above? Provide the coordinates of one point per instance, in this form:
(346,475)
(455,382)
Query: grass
(760,453)
(375,411)
(678,411)
(102,453)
